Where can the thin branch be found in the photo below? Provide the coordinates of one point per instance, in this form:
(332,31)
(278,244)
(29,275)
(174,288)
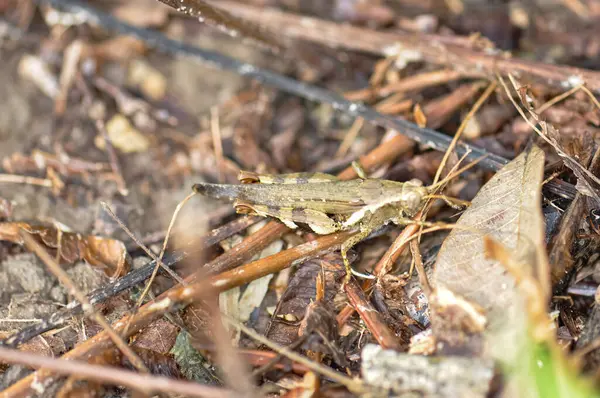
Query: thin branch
(418,259)
(383,153)
(215,129)
(158,261)
(162,252)
(376,325)
(548,104)
(224,21)
(17,179)
(118,377)
(490,89)
(420,82)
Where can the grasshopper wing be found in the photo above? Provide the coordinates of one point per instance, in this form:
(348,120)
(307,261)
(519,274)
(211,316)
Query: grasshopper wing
(336,197)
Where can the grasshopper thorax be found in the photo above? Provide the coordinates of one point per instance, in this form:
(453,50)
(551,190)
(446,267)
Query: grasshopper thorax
(401,198)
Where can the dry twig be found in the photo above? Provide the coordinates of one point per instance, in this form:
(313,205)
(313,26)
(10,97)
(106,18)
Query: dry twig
(120,377)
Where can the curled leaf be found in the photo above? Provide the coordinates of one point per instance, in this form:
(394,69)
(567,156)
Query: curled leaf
(109,255)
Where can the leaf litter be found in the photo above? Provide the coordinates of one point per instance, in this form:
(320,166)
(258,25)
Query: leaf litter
(485,320)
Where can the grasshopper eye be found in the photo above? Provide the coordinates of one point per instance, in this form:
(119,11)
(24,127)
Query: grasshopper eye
(412,201)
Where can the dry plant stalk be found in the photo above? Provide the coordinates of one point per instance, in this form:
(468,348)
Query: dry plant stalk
(140,382)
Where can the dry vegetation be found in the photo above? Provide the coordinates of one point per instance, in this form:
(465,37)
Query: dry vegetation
(117,280)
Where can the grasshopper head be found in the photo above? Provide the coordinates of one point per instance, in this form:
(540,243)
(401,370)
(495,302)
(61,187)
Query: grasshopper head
(413,195)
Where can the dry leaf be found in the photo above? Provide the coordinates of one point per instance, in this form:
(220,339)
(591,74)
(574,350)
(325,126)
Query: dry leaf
(124,136)
(149,80)
(300,292)
(587,182)
(159,336)
(507,209)
(256,290)
(107,254)
(241,306)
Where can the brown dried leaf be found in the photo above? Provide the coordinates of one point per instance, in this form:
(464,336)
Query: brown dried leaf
(48,345)
(320,328)
(110,255)
(507,209)
(157,363)
(300,291)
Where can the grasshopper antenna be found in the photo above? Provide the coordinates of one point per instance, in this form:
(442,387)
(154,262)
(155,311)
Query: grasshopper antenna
(488,91)
(437,183)
(454,174)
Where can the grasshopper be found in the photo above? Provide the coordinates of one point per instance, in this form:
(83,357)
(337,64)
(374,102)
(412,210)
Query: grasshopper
(327,204)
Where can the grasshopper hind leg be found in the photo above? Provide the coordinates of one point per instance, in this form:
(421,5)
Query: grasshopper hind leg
(346,246)
(319,222)
(370,223)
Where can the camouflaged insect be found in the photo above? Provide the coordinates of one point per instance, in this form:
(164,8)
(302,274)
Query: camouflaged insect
(323,202)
